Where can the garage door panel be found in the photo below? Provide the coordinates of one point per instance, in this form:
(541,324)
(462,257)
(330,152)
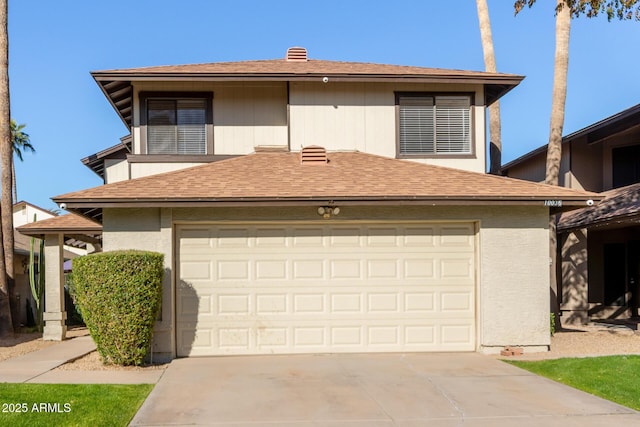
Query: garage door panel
(308,269)
(257,302)
(308,237)
(344,337)
(262,289)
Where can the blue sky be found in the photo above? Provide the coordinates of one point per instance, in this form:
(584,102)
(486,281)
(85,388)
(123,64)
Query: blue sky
(54,45)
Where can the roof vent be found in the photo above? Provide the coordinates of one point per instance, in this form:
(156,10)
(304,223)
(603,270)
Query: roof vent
(313,155)
(297,54)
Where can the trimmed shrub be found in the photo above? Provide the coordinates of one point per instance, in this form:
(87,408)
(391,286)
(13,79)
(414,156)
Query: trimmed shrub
(119,296)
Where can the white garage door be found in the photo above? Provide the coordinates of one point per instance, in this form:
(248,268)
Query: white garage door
(374,287)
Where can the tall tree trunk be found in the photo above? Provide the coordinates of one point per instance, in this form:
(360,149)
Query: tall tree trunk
(495,139)
(6,156)
(6,325)
(554,150)
(14,186)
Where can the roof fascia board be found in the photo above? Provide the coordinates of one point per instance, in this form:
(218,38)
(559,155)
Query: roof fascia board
(113,104)
(534,201)
(509,79)
(586,131)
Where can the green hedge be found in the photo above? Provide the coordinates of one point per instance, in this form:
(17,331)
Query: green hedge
(119,295)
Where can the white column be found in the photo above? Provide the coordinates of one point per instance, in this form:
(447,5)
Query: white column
(55,313)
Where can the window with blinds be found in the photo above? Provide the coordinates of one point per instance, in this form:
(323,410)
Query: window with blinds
(434,125)
(176,126)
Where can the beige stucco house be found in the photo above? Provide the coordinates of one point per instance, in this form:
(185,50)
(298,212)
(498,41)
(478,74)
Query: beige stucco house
(599,273)
(312,206)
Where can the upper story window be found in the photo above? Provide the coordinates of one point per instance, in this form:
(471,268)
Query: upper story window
(625,165)
(177,124)
(434,125)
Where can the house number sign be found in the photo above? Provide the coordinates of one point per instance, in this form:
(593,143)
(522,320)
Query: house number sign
(553,203)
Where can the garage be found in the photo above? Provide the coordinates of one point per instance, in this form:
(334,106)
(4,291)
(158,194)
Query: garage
(325,287)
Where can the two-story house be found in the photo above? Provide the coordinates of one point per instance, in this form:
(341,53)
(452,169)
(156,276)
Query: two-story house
(310,206)
(599,272)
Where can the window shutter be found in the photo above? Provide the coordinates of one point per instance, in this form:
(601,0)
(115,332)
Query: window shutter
(453,124)
(416,125)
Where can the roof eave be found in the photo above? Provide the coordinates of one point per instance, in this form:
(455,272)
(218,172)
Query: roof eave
(36,232)
(100,76)
(495,86)
(573,201)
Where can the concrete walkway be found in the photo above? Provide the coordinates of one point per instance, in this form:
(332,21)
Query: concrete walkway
(39,367)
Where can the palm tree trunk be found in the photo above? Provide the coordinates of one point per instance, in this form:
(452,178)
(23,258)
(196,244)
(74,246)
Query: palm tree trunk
(14,186)
(495,147)
(6,156)
(554,150)
(6,325)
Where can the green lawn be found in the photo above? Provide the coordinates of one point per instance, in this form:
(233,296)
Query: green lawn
(614,378)
(70,404)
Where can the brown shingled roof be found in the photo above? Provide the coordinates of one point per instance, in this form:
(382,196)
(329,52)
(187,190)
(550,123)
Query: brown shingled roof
(117,84)
(300,68)
(281,178)
(618,206)
(70,223)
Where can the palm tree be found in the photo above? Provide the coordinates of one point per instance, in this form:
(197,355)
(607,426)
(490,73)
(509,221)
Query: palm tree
(6,157)
(495,147)
(20,141)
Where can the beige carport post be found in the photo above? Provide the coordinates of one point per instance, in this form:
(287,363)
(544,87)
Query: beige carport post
(55,315)
(55,232)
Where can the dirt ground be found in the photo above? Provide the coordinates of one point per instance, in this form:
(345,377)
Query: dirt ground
(592,340)
(20,344)
(595,339)
(27,342)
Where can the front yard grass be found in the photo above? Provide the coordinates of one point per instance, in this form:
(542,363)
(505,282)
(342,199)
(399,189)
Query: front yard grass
(614,378)
(70,404)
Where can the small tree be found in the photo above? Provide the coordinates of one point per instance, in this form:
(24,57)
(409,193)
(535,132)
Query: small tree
(119,296)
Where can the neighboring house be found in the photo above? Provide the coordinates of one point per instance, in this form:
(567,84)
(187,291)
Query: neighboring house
(26,213)
(65,237)
(311,206)
(23,213)
(599,246)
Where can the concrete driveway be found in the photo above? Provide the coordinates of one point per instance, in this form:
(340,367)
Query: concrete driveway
(415,389)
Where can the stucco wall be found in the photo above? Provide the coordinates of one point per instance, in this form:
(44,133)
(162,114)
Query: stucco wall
(512,297)
(151,230)
(115,170)
(245,115)
(336,115)
(362,116)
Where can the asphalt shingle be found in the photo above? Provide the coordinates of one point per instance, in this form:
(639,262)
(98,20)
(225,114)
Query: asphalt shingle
(346,176)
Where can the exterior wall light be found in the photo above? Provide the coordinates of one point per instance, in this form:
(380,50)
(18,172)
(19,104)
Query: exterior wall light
(327,211)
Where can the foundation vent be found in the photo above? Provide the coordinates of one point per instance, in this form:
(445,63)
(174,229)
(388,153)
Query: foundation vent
(297,54)
(313,155)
